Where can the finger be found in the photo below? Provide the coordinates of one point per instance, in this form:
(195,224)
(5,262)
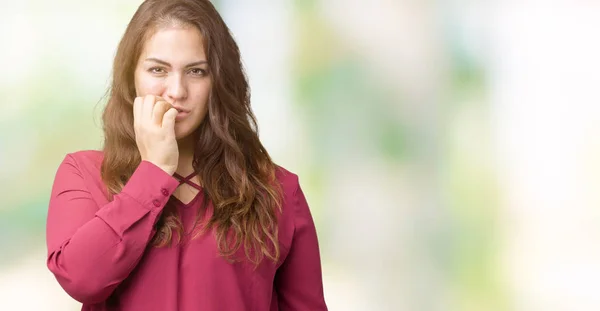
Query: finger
(149,102)
(137,108)
(143,108)
(148,106)
(168,121)
(159,110)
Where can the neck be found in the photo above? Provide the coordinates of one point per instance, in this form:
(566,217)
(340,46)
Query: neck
(186,155)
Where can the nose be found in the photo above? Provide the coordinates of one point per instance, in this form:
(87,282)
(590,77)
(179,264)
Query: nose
(175,89)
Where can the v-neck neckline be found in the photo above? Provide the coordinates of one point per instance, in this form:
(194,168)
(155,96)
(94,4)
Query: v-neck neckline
(187,180)
(190,203)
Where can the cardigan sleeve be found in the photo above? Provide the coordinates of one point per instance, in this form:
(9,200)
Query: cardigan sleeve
(298,281)
(91,248)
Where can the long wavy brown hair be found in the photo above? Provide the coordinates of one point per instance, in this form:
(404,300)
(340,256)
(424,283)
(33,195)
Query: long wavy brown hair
(237,173)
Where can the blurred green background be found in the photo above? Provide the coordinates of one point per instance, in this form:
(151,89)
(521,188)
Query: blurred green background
(448,149)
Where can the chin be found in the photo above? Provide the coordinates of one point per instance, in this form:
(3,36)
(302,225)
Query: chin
(183,130)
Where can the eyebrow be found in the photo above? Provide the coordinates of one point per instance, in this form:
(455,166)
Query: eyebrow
(162,62)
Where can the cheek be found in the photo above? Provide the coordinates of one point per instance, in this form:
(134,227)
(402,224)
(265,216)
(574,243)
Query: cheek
(201,99)
(145,84)
(202,92)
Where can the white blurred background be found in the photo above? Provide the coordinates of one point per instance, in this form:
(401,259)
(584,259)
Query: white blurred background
(448,149)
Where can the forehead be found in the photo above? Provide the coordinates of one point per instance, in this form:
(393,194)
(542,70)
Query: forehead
(174,43)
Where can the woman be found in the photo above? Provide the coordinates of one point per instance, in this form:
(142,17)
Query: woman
(183,209)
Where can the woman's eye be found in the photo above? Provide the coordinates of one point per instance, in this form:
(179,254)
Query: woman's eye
(156,70)
(198,71)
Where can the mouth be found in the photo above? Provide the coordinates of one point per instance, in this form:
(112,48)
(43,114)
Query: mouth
(181,115)
(180,110)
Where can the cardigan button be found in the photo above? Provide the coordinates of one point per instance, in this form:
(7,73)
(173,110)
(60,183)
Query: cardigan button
(156,203)
(164,192)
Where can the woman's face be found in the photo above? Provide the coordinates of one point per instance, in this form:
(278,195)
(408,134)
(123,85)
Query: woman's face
(173,65)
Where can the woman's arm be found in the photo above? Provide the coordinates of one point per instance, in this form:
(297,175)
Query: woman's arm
(91,249)
(298,281)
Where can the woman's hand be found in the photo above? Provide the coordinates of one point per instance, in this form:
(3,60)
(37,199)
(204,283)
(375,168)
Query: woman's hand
(154,125)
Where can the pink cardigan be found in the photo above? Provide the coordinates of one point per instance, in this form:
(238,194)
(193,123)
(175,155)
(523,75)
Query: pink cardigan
(100,254)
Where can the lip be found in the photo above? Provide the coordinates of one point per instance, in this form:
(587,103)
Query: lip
(182,115)
(180,109)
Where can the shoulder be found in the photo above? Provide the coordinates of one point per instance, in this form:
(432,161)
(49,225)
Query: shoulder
(82,169)
(86,163)
(295,213)
(289,181)
(87,155)
(85,158)
(294,203)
